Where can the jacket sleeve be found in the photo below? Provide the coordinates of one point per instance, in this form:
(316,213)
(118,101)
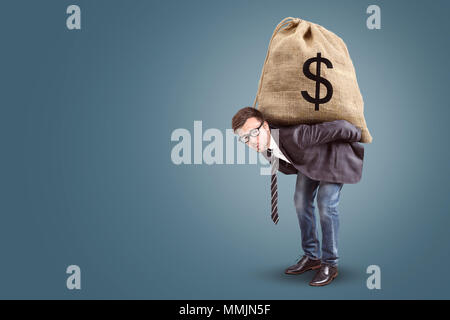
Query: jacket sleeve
(305,135)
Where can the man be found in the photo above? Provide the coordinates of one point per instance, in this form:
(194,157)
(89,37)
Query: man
(324,156)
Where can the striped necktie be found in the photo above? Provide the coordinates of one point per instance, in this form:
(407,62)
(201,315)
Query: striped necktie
(273,189)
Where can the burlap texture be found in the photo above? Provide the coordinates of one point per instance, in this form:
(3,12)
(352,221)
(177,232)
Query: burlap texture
(332,95)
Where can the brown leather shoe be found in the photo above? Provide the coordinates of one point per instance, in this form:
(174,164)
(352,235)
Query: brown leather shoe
(304,264)
(324,275)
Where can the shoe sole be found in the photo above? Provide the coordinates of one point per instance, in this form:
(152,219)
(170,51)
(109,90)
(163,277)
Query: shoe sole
(300,272)
(325,283)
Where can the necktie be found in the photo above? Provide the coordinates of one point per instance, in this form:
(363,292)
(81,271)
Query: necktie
(273,189)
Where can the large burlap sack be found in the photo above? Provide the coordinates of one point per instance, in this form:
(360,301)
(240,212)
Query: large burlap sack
(308,77)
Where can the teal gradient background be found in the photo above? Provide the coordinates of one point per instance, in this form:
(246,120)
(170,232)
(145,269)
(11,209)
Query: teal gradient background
(87,177)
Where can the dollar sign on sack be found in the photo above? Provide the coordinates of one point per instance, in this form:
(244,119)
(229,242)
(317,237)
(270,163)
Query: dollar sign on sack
(318,79)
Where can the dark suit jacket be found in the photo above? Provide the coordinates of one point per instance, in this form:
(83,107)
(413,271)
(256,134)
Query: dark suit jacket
(327,151)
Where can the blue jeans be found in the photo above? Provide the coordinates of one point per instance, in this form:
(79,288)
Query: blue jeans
(328,194)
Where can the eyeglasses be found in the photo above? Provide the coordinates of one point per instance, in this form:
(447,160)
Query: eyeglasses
(253,133)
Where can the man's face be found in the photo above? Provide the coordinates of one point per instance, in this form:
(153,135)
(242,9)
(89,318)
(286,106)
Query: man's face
(260,142)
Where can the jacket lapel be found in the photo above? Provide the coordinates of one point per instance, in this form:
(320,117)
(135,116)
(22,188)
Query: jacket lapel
(280,142)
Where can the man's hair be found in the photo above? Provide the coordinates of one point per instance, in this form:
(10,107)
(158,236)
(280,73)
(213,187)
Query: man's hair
(242,115)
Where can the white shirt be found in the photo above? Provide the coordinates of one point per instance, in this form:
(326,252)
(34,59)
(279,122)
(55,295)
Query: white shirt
(276,150)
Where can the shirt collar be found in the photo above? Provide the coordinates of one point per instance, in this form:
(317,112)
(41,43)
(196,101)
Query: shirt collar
(272,144)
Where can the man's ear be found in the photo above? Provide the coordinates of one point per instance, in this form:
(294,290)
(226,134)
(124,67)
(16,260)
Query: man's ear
(266,125)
